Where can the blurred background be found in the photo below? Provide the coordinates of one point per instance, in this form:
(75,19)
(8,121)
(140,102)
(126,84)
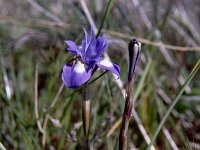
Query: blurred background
(38,112)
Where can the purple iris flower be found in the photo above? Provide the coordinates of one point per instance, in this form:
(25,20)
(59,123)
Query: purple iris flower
(88,57)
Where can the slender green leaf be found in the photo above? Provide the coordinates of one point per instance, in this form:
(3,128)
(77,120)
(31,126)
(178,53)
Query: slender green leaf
(190,77)
(142,80)
(110,3)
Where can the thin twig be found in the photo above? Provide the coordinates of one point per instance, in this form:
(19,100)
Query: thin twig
(157,44)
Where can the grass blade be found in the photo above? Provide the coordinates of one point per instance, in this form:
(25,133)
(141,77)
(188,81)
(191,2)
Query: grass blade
(190,77)
(110,3)
(142,80)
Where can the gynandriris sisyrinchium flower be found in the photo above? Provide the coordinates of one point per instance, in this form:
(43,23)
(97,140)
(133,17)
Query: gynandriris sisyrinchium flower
(88,58)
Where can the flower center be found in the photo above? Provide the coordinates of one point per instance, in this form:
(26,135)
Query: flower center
(79,67)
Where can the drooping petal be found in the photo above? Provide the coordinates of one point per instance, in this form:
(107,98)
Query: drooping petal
(72,47)
(75,75)
(106,64)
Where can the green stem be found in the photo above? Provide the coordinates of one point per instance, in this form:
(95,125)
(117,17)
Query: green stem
(105,16)
(190,77)
(98,77)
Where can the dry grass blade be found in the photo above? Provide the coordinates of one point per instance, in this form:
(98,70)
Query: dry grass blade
(8,87)
(57,96)
(36,101)
(190,77)
(45,23)
(44,11)
(169,138)
(114,127)
(38,112)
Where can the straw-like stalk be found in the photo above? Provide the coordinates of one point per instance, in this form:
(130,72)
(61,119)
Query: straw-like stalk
(86,115)
(134,46)
(126,117)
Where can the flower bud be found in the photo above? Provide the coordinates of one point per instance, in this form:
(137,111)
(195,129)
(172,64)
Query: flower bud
(134,46)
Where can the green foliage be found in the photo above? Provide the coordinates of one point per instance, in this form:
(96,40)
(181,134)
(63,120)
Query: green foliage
(31,37)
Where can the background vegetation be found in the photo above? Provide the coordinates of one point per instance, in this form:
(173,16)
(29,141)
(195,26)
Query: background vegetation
(32,54)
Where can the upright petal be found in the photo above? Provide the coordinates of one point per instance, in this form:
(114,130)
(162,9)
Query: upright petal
(106,64)
(72,47)
(76,75)
(85,40)
(85,43)
(96,47)
(89,53)
(91,49)
(101,45)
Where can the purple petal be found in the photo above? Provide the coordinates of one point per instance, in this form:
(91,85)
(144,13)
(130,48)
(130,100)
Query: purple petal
(96,47)
(85,41)
(72,47)
(84,46)
(101,45)
(106,64)
(91,49)
(76,75)
(89,53)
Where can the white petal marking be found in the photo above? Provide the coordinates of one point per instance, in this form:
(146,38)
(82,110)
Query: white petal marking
(79,67)
(106,63)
